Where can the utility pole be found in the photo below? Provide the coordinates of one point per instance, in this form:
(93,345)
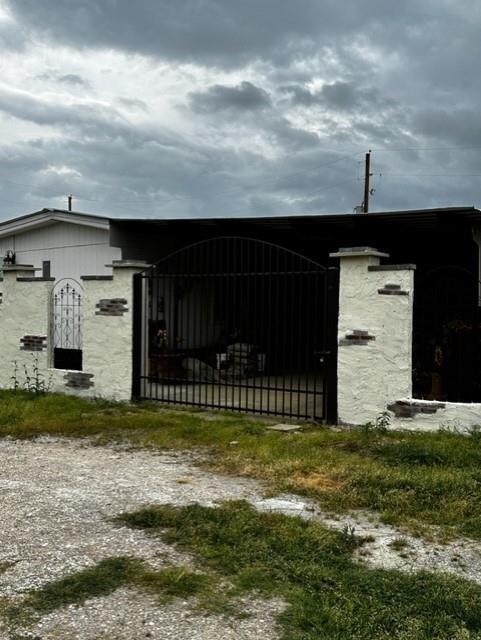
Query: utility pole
(367,176)
(70,202)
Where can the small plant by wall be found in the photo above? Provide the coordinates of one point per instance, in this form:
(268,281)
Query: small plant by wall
(30,378)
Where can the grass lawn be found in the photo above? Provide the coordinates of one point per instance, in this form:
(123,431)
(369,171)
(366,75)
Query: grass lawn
(414,480)
(411,480)
(242,552)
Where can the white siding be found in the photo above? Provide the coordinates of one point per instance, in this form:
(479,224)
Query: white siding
(73,250)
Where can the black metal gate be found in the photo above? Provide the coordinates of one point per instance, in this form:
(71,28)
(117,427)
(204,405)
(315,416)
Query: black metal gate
(66,324)
(238,324)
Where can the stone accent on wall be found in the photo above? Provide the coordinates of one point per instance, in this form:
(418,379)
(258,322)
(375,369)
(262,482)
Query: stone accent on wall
(33,343)
(392,290)
(411,408)
(356,337)
(78,380)
(111,307)
(391,267)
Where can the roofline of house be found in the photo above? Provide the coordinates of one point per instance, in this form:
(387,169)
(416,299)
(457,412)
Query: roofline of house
(471,211)
(47,216)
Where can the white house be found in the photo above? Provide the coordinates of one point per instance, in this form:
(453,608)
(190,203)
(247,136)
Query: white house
(59,243)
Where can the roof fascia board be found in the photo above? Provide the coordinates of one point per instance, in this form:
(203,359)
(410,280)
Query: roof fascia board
(38,220)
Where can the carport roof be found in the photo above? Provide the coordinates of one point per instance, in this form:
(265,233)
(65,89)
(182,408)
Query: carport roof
(414,217)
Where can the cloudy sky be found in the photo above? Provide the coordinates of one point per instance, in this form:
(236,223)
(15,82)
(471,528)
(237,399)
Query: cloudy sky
(238,107)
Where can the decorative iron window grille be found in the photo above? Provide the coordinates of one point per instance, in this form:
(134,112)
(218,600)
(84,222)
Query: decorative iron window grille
(66,324)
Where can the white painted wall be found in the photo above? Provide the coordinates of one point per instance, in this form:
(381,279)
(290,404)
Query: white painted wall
(107,344)
(375,373)
(72,249)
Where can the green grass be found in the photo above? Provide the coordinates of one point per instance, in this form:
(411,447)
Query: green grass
(413,480)
(103,579)
(328,595)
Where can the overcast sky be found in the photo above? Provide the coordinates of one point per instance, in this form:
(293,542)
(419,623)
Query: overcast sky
(238,107)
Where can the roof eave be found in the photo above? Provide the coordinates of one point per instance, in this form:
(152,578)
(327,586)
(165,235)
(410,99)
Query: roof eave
(45,217)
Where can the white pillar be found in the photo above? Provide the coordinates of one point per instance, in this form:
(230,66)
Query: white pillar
(374,334)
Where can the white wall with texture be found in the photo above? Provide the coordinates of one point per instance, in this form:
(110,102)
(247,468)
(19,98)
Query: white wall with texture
(25,340)
(374,335)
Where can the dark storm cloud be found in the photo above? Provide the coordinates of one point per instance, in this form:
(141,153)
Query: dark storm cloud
(328,80)
(245,97)
(344,96)
(220,32)
(12,36)
(454,125)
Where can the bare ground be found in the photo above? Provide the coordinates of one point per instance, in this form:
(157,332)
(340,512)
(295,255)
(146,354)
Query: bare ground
(57,498)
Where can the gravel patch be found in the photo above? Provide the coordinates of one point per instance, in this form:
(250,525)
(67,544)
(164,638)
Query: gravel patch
(128,615)
(461,557)
(57,495)
(56,499)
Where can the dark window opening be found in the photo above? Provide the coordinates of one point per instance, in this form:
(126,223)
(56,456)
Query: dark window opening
(67,359)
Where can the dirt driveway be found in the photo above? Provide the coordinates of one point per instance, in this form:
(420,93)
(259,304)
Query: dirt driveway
(57,498)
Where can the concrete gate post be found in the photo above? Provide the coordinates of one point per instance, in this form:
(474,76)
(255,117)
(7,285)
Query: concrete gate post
(374,364)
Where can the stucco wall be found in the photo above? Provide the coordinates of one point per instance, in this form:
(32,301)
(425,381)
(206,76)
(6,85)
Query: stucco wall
(107,335)
(23,312)
(374,336)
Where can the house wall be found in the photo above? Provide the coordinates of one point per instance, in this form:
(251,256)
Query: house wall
(107,334)
(73,250)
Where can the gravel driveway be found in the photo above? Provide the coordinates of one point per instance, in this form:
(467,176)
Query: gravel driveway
(56,499)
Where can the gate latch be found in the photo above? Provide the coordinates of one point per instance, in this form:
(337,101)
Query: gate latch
(322,355)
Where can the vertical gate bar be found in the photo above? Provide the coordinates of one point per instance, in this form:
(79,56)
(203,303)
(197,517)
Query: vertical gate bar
(187,334)
(233,254)
(256,320)
(205,320)
(265,268)
(301,366)
(262,290)
(308,347)
(136,335)
(195,316)
(155,314)
(225,288)
(289,338)
(144,365)
(331,312)
(180,343)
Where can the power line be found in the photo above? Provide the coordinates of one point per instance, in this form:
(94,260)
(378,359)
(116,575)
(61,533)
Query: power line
(434,175)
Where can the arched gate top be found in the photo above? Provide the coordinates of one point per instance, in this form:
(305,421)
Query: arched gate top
(233,255)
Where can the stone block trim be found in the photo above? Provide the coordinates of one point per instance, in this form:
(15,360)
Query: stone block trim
(356,337)
(391,267)
(78,380)
(411,408)
(33,343)
(111,307)
(392,290)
